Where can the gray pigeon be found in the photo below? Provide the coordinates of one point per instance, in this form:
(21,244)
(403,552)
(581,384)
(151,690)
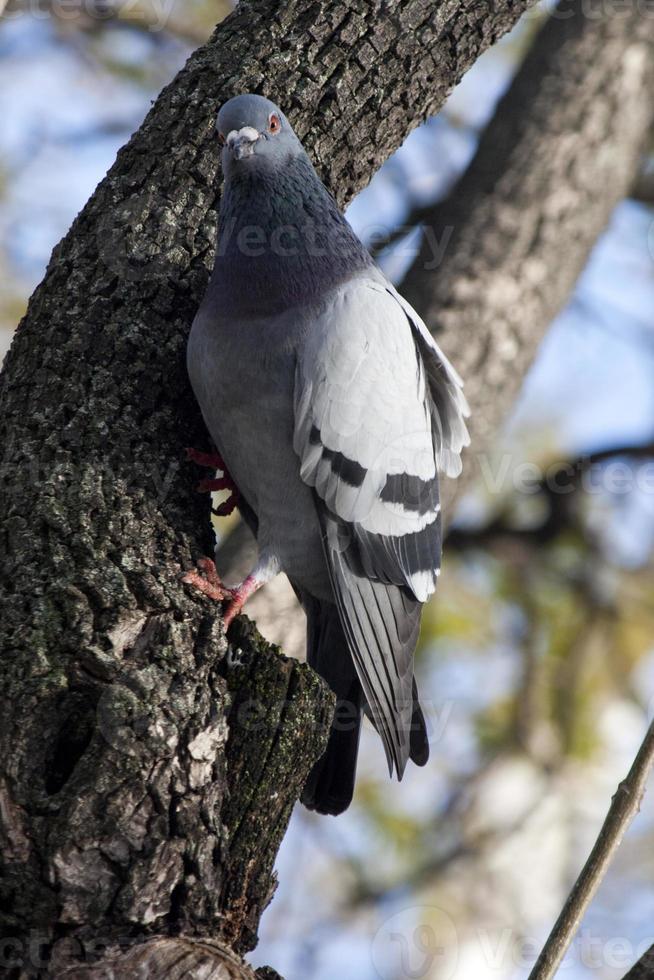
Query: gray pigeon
(333,412)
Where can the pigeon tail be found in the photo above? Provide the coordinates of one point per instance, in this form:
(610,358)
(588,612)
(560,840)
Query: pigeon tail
(330,784)
(418,739)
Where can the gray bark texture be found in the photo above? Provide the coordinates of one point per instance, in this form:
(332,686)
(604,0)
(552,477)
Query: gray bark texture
(562,149)
(147,769)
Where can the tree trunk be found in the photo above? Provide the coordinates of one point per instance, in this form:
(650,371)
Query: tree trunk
(561,150)
(148,771)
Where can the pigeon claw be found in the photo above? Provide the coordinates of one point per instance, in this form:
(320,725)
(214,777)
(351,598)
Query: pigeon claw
(222,483)
(205,579)
(229,505)
(213,461)
(208,485)
(238,598)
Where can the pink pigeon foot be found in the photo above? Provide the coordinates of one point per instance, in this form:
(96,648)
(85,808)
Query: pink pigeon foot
(215,461)
(239,597)
(206,579)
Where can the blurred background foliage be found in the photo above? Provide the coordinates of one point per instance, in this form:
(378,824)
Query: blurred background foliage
(537,655)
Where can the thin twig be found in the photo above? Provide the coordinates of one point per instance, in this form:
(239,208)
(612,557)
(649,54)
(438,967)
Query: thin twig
(644,968)
(624,807)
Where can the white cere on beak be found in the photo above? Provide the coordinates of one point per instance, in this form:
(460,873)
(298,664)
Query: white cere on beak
(241,141)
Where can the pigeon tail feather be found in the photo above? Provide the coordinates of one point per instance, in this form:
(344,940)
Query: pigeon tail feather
(330,784)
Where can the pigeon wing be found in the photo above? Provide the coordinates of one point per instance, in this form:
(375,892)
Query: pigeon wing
(377,410)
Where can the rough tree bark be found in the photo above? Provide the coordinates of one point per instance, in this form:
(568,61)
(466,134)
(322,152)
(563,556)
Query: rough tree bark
(147,773)
(562,149)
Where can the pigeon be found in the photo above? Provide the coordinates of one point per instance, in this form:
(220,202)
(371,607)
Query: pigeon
(333,412)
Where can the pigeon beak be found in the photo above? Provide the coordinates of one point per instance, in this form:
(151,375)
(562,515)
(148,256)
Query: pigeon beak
(241,142)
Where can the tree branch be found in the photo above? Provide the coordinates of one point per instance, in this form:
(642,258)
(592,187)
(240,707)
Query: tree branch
(643,188)
(539,191)
(644,968)
(625,806)
(556,485)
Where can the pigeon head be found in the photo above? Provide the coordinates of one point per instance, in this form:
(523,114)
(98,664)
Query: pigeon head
(255,132)
(281,238)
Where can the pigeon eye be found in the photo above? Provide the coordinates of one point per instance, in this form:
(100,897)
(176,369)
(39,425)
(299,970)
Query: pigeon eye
(274,124)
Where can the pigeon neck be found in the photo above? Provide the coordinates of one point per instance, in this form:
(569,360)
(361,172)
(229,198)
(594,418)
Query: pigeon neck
(281,242)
